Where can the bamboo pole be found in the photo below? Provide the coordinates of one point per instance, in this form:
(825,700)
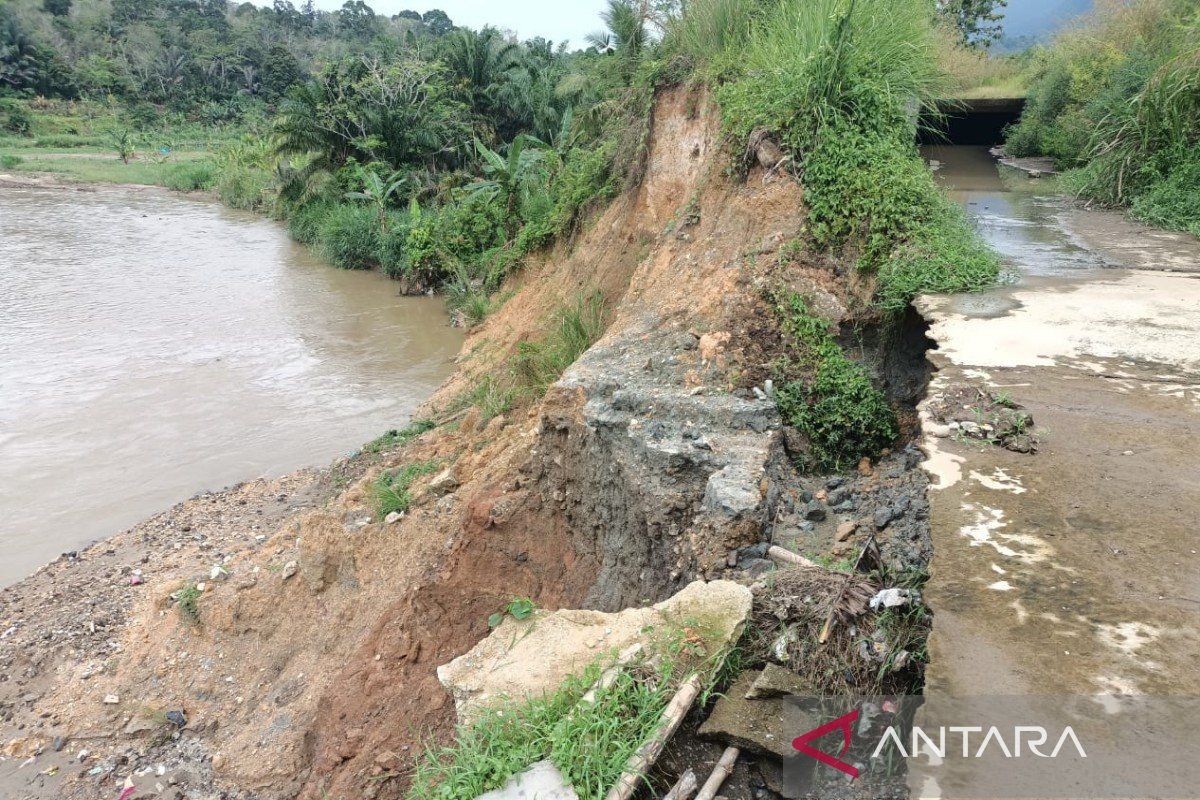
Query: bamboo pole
(719,774)
(684,788)
(648,753)
(788,557)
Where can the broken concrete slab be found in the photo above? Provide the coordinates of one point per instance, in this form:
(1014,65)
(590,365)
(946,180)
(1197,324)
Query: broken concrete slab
(541,781)
(766,727)
(530,657)
(776,681)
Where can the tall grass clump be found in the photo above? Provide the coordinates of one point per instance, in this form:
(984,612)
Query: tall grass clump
(1116,101)
(348,236)
(573,329)
(711,28)
(841,84)
(192,176)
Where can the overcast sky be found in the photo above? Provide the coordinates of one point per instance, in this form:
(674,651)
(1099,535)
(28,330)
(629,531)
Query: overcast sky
(571,20)
(557,20)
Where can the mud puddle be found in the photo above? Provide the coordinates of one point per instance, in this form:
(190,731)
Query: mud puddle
(152,346)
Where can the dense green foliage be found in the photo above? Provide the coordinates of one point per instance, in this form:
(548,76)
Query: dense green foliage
(1117,102)
(826,396)
(470,130)
(207,56)
(836,81)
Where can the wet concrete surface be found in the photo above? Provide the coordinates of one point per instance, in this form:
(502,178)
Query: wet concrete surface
(1073,571)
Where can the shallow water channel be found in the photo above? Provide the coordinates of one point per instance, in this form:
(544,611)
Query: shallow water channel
(1065,583)
(152,346)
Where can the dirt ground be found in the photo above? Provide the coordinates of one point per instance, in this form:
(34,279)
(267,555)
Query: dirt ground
(308,668)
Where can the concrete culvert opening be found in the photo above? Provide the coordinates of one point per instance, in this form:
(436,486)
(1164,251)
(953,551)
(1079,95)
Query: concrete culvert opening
(970,122)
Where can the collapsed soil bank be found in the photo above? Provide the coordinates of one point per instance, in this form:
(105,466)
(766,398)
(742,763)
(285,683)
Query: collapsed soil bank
(651,462)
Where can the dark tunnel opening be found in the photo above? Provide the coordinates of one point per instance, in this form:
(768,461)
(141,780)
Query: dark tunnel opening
(974,122)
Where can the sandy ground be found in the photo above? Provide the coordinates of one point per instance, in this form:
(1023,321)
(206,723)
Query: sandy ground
(73,614)
(1073,571)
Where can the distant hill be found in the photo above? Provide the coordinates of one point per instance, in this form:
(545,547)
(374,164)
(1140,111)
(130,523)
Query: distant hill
(1027,22)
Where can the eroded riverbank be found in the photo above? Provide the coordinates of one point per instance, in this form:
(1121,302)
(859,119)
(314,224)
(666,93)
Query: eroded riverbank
(153,345)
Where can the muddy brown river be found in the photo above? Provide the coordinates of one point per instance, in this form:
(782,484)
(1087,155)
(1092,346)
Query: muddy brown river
(152,346)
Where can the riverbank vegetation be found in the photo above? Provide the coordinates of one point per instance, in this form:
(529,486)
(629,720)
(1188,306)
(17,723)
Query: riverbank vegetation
(444,155)
(1116,103)
(840,86)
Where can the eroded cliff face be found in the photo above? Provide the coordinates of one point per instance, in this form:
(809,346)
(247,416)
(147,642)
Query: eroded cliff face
(647,465)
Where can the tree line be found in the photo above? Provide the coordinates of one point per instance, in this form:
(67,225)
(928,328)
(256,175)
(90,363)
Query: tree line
(181,52)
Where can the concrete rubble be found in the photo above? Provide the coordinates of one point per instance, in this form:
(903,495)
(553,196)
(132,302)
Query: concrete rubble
(525,658)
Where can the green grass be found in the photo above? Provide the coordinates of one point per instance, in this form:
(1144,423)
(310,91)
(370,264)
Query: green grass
(399,438)
(534,368)
(589,743)
(192,176)
(187,600)
(492,396)
(391,488)
(828,397)
(98,168)
(712,27)
(834,81)
(573,329)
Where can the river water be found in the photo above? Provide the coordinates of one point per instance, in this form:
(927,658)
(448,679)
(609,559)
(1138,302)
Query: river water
(152,346)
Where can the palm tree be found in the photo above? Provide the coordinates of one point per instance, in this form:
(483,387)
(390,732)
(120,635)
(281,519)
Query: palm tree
(627,34)
(481,60)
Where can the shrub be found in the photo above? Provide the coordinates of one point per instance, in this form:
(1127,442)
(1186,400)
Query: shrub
(348,236)
(460,231)
(244,187)
(16,119)
(1118,100)
(586,179)
(827,397)
(393,245)
(191,176)
(1171,198)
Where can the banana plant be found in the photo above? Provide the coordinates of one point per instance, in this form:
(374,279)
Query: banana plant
(379,192)
(508,177)
(123,144)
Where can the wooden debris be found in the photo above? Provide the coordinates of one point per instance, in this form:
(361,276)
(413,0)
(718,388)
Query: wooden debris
(684,788)
(645,756)
(720,772)
(609,675)
(868,558)
(788,557)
